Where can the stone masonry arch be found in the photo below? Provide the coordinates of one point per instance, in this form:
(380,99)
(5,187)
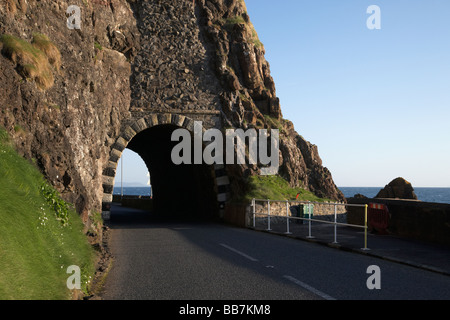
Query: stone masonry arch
(222,181)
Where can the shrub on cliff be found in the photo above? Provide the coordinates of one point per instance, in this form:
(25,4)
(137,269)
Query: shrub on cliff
(33,60)
(43,43)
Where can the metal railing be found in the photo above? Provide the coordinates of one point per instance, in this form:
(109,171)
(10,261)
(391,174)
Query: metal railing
(309,219)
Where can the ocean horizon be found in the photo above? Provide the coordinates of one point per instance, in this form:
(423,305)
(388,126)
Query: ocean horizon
(437,195)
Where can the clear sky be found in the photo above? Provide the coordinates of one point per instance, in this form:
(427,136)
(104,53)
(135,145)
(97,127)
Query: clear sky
(375,102)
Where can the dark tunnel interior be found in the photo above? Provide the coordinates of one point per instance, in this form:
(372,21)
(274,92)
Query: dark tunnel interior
(179,191)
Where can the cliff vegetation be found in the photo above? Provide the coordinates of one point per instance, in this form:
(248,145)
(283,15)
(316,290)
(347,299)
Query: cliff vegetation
(40,234)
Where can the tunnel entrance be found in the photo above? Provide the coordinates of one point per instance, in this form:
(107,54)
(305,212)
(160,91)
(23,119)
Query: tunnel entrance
(179,191)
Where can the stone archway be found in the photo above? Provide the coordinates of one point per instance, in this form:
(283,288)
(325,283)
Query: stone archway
(155,120)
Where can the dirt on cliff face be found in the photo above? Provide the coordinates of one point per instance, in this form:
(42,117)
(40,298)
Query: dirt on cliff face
(68,127)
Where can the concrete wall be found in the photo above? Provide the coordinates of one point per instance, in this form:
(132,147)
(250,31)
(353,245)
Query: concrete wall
(135,202)
(413,219)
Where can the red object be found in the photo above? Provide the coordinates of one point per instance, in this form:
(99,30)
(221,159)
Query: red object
(297,196)
(379,217)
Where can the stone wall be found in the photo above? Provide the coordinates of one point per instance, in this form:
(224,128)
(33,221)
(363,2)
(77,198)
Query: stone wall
(135,202)
(413,219)
(237,215)
(172,69)
(279,209)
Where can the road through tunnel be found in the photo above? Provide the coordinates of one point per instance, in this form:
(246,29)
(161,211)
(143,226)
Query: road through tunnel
(183,191)
(180,191)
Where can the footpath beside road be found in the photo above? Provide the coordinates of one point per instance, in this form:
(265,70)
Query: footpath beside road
(427,256)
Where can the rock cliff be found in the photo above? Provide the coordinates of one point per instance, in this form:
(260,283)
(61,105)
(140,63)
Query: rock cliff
(66,94)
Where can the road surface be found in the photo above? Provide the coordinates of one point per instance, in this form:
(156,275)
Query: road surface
(169,260)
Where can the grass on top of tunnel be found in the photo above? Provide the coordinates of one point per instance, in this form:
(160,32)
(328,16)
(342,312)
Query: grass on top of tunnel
(36,247)
(276,188)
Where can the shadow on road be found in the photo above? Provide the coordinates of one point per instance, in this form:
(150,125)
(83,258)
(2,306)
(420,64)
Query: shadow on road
(124,218)
(191,255)
(201,260)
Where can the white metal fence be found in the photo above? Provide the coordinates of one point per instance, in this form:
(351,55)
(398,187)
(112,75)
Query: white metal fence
(307,216)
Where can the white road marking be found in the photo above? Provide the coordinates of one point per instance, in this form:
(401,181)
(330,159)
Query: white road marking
(239,252)
(309,288)
(290,278)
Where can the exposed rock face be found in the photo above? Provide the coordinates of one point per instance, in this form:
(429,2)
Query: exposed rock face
(398,188)
(131,57)
(172,69)
(68,128)
(239,63)
(249,98)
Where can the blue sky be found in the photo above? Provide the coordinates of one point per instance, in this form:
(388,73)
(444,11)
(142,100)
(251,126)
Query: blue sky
(375,102)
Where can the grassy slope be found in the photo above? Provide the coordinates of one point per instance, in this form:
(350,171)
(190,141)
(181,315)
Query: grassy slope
(35,248)
(277,188)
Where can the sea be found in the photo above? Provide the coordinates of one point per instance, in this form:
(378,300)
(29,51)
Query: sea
(133,191)
(438,195)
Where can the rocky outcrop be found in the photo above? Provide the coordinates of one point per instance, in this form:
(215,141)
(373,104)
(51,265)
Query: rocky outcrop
(239,63)
(68,128)
(398,188)
(249,99)
(131,57)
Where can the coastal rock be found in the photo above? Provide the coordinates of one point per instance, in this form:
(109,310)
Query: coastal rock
(251,101)
(132,56)
(398,188)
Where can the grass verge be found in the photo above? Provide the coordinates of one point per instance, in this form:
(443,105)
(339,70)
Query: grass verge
(40,235)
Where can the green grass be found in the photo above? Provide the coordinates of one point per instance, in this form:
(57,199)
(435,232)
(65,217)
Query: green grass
(98,46)
(230,22)
(276,188)
(255,39)
(36,244)
(274,123)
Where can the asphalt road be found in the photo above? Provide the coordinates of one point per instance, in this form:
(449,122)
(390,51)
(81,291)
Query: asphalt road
(171,260)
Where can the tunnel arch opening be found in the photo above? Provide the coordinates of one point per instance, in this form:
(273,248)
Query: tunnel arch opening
(132,176)
(179,191)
